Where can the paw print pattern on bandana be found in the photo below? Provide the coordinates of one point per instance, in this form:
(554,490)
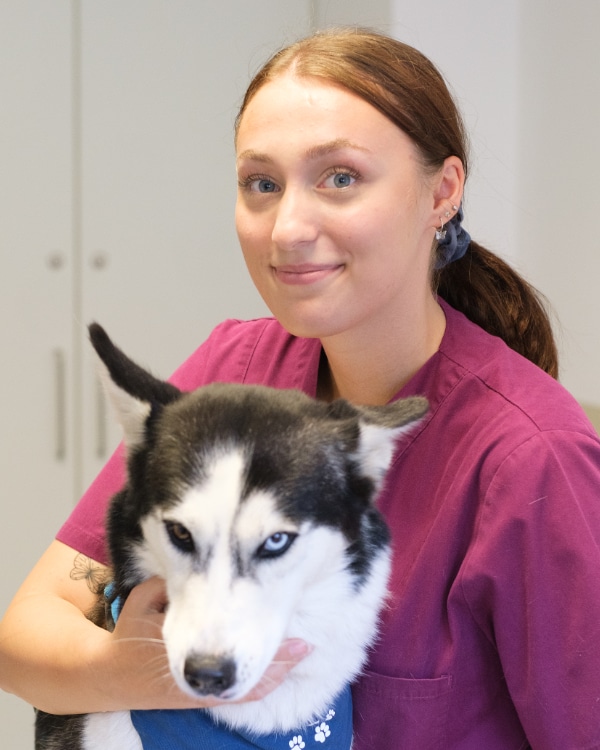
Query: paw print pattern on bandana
(322,732)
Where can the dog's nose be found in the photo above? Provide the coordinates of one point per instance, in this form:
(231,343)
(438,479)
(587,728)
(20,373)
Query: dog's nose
(209,674)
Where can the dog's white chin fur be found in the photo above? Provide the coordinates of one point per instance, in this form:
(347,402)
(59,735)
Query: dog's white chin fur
(340,623)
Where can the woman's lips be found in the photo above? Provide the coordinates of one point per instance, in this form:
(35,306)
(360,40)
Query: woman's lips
(305,273)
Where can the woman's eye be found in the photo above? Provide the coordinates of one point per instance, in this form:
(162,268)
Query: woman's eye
(340,178)
(265,186)
(259,185)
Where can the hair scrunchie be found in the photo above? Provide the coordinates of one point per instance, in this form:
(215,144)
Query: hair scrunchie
(455,243)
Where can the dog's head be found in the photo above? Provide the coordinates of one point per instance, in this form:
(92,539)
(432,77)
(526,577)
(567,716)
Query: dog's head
(256,506)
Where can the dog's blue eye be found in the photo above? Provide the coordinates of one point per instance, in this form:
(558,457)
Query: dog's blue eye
(180,537)
(276,545)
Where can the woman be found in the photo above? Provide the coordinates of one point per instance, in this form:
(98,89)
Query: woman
(351,166)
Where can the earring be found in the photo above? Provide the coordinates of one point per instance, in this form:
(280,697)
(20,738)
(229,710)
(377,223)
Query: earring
(440,234)
(455,208)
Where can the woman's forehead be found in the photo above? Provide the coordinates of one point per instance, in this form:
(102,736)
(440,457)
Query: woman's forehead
(313,114)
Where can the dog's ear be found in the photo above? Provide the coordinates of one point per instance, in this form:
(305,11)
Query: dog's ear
(132,391)
(379,429)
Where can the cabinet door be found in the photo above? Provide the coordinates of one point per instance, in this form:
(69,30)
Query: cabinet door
(161,83)
(36,489)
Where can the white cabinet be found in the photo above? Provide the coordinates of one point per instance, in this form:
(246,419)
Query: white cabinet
(117,189)
(160,262)
(36,270)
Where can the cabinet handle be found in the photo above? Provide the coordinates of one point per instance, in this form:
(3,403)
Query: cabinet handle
(100,420)
(60,390)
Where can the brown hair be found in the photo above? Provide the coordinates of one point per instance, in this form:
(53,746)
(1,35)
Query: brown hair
(407,88)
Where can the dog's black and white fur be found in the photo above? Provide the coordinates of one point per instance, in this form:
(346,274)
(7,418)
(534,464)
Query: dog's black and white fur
(256,506)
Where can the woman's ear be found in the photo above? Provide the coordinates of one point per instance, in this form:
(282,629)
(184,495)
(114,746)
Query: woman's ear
(448,188)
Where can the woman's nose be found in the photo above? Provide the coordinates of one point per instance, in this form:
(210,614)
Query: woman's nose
(296,220)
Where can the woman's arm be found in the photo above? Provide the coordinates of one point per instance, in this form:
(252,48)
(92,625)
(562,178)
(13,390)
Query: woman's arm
(57,660)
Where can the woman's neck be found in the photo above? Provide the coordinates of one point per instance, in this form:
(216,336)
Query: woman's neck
(370,370)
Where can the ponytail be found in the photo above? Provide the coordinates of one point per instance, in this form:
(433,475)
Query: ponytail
(492,295)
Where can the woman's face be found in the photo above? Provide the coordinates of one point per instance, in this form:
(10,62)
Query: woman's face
(334,214)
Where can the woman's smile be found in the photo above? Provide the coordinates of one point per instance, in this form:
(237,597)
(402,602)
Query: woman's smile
(302,274)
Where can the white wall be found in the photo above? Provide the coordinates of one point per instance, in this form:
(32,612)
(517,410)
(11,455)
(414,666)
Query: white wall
(526,74)
(372,13)
(475,47)
(559,160)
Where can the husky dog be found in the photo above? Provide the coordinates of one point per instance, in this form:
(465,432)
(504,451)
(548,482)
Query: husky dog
(256,506)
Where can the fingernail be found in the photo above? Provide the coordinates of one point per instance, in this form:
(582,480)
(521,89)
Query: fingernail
(297,647)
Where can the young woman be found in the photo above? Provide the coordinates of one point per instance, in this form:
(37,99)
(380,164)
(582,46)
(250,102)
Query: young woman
(351,165)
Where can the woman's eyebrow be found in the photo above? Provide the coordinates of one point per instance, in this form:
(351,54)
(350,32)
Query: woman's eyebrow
(252,155)
(314,152)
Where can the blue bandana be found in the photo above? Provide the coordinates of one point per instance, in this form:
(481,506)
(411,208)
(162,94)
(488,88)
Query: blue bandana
(195,729)
(455,241)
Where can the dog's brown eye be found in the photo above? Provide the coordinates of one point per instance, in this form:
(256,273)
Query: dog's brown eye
(180,536)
